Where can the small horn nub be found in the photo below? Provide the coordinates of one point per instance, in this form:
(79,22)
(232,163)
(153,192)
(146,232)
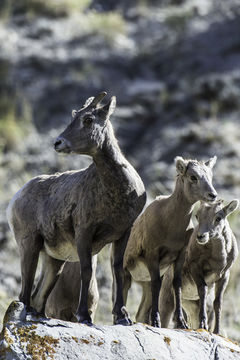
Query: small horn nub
(98,98)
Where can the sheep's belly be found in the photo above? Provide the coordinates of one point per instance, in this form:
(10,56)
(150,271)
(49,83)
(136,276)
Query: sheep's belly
(140,271)
(64,251)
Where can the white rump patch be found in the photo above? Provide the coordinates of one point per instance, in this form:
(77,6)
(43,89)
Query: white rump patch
(10,206)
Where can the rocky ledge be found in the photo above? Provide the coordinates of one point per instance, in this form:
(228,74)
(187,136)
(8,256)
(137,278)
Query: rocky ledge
(27,337)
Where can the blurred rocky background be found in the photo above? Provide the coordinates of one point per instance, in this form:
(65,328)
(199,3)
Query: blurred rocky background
(174,66)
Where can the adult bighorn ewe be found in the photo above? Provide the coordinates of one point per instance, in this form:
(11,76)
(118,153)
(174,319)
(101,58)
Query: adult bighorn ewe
(162,231)
(73,215)
(211,252)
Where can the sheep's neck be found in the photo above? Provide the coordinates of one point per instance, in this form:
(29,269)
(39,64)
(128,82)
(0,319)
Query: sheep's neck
(182,205)
(111,166)
(219,245)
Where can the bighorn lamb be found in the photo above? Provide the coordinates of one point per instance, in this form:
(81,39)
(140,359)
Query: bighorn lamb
(162,231)
(73,215)
(63,299)
(211,252)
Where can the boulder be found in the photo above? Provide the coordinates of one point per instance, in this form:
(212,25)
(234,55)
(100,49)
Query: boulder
(25,336)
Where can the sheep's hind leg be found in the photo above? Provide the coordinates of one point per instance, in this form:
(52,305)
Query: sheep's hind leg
(177,286)
(93,294)
(29,248)
(167,298)
(121,281)
(144,309)
(156,281)
(51,268)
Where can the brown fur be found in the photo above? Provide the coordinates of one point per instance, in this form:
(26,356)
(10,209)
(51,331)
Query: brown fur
(161,232)
(70,216)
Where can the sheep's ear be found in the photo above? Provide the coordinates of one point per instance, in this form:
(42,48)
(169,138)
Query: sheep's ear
(211,162)
(88,101)
(74,112)
(110,107)
(231,207)
(181,165)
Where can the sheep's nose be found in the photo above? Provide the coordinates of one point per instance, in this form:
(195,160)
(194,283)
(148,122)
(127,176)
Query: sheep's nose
(202,238)
(57,143)
(212,195)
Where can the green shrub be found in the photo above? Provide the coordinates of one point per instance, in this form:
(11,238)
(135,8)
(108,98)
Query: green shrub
(13,127)
(107,24)
(49,8)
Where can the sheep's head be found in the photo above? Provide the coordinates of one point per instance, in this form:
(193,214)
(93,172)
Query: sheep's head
(86,132)
(197,179)
(212,219)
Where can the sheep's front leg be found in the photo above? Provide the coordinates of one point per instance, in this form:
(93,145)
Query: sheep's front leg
(153,267)
(202,293)
(119,312)
(220,287)
(84,247)
(202,288)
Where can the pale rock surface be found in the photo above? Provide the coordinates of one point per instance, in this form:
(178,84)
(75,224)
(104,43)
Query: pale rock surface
(27,337)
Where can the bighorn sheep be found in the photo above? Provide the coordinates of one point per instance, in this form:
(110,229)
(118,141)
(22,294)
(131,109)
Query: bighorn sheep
(73,215)
(211,252)
(63,299)
(162,231)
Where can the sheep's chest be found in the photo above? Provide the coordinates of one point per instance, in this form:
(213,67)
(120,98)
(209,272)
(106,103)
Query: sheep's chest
(213,268)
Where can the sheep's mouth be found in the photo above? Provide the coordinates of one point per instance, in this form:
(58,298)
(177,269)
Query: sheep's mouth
(209,201)
(64,150)
(203,241)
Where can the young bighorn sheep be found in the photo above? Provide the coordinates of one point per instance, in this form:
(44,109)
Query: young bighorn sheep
(162,231)
(73,215)
(63,299)
(211,252)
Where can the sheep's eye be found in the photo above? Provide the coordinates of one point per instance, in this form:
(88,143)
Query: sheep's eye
(196,216)
(193,178)
(218,219)
(88,120)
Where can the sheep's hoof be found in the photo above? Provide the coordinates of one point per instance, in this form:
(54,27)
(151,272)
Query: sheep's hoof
(33,312)
(124,318)
(86,322)
(156,321)
(203,324)
(123,321)
(180,322)
(84,319)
